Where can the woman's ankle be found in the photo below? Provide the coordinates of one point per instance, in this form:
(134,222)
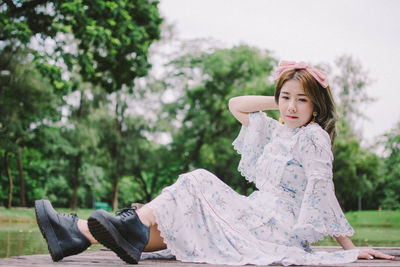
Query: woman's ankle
(146,216)
(84,229)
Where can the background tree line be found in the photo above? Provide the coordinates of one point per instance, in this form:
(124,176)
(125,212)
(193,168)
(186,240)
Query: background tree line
(82,119)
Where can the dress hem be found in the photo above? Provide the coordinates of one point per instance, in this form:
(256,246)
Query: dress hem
(282,261)
(178,257)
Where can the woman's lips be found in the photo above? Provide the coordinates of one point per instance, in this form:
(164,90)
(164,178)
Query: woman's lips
(291,117)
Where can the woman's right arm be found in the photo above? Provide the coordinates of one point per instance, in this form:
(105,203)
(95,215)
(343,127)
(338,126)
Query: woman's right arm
(241,106)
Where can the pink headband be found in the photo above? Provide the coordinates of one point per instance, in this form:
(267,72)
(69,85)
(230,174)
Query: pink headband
(284,66)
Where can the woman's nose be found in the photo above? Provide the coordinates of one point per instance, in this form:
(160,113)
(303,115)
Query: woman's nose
(292,106)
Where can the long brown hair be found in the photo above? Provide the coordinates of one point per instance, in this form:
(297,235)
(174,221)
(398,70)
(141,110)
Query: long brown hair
(321,97)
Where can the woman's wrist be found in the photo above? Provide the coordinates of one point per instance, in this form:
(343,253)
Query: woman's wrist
(241,106)
(345,242)
(252,103)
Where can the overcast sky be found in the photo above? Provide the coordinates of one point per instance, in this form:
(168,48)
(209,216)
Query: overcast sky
(313,31)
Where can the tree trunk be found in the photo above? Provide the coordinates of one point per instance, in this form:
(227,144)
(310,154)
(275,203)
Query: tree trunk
(74,196)
(77,166)
(10,181)
(359,203)
(21,178)
(115,193)
(114,152)
(144,188)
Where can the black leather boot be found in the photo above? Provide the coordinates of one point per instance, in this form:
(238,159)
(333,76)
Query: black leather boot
(124,234)
(60,231)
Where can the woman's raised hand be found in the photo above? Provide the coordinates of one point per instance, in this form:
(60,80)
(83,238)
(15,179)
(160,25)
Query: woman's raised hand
(369,254)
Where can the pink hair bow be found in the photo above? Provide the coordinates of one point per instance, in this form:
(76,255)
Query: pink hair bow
(284,66)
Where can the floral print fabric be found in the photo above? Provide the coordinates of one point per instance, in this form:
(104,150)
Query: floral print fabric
(203,220)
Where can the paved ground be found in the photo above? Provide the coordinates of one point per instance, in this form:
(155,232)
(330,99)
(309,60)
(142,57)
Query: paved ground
(107,258)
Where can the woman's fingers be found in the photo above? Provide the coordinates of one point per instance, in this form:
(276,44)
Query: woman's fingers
(371,254)
(381,255)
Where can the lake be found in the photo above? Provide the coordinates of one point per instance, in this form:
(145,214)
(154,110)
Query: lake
(23,239)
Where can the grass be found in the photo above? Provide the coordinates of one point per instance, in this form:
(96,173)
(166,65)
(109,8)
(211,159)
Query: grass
(372,218)
(27,215)
(372,228)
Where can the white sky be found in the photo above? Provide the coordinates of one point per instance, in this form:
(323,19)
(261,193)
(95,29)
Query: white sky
(313,31)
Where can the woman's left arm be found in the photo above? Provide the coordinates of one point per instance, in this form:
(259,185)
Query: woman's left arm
(345,242)
(366,253)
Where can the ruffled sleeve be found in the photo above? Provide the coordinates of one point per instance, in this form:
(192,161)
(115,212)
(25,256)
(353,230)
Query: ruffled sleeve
(320,213)
(251,141)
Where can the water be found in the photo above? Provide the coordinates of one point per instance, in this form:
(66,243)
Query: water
(23,239)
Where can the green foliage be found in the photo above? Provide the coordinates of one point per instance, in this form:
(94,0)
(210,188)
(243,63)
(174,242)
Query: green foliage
(103,148)
(356,172)
(26,99)
(108,40)
(207,129)
(391,183)
(44,46)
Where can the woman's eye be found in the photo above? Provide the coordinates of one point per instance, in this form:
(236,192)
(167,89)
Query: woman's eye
(284,97)
(303,100)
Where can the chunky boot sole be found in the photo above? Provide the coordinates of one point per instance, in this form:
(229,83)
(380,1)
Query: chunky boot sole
(106,233)
(47,230)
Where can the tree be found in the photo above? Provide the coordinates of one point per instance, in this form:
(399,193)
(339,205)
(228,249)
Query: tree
(391,183)
(82,135)
(354,167)
(26,101)
(356,172)
(350,87)
(108,40)
(122,144)
(205,127)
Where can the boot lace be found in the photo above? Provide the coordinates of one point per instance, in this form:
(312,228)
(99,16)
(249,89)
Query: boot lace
(71,216)
(125,212)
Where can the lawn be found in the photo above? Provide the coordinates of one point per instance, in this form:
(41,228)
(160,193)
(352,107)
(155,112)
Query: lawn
(372,228)
(28,214)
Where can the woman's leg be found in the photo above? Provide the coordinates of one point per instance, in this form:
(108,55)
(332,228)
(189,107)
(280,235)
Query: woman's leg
(147,217)
(156,242)
(83,227)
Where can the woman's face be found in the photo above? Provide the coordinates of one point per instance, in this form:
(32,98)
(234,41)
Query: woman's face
(296,108)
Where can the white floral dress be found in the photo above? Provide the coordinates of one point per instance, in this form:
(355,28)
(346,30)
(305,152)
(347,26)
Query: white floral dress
(203,220)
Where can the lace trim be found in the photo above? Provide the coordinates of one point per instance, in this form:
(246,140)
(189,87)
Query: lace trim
(316,236)
(163,234)
(242,170)
(248,178)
